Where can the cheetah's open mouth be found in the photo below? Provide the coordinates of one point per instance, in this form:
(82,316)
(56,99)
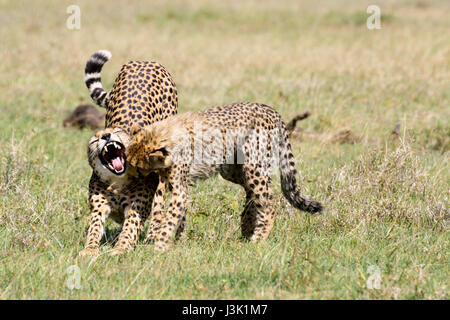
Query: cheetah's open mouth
(113,157)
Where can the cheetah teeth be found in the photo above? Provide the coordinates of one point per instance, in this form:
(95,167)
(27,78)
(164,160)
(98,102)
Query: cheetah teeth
(116,146)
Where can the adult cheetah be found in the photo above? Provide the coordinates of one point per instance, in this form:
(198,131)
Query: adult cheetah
(143,93)
(241,141)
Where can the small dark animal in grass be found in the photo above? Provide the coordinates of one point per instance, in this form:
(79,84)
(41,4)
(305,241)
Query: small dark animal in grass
(396,131)
(85,116)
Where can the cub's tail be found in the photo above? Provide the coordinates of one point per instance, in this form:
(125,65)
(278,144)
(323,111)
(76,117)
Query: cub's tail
(92,77)
(289,186)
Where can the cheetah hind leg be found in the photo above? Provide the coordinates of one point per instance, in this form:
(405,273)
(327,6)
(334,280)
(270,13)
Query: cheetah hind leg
(265,215)
(235,174)
(258,216)
(248,217)
(158,216)
(182,230)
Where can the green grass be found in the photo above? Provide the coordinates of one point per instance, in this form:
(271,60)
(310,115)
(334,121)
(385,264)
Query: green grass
(386,197)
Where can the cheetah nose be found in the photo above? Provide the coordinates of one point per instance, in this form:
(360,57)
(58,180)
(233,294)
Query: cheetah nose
(106,136)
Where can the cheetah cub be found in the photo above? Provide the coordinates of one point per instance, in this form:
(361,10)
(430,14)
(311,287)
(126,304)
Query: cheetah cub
(241,142)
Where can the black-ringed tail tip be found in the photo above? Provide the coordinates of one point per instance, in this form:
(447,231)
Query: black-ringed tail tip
(93,79)
(288,172)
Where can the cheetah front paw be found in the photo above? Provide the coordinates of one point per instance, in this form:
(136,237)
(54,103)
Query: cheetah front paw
(117,252)
(161,246)
(88,252)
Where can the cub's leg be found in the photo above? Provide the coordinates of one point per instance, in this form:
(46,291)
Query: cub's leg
(157,214)
(248,216)
(177,208)
(258,216)
(235,173)
(101,201)
(181,231)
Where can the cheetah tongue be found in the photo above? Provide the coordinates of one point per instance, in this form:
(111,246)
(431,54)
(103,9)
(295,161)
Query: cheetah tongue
(117,164)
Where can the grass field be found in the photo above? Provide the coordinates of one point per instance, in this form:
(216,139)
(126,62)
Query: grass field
(387,207)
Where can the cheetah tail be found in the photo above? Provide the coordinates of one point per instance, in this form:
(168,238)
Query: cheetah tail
(92,77)
(289,186)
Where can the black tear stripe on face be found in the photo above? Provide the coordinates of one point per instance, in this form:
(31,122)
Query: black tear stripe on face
(93,142)
(121,142)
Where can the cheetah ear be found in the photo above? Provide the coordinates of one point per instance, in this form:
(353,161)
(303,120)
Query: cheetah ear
(135,129)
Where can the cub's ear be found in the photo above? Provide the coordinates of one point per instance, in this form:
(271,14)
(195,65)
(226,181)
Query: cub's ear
(135,129)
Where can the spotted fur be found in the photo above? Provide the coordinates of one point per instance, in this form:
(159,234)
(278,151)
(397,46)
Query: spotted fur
(240,141)
(143,93)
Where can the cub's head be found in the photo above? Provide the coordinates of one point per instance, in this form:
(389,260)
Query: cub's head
(106,153)
(150,147)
